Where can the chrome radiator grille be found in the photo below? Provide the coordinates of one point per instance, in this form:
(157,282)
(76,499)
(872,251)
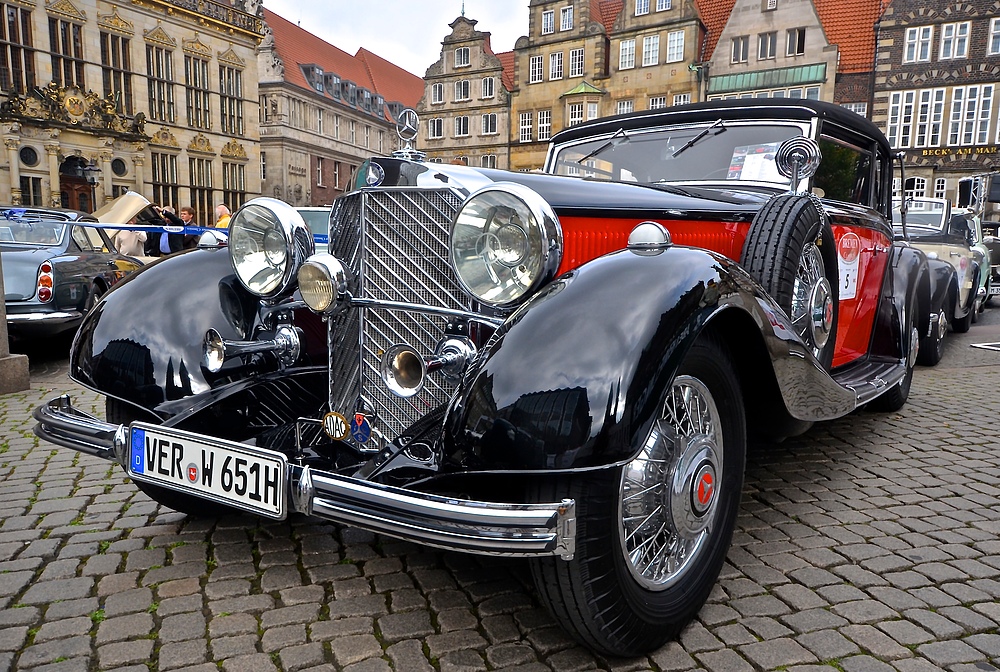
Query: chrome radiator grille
(395,243)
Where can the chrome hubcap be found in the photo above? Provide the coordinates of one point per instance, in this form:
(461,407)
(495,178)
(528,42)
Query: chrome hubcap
(670,491)
(812,300)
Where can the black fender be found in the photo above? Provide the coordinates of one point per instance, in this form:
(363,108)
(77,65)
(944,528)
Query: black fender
(908,267)
(143,343)
(573,380)
(944,281)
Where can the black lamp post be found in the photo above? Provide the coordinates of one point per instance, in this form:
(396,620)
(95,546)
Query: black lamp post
(92,173)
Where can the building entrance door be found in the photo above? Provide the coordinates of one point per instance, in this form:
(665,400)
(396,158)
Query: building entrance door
(74,190)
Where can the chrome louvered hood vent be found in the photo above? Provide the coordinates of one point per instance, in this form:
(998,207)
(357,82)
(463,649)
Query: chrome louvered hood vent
(395,243)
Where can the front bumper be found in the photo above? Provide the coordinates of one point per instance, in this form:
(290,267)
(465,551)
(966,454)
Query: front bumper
(486,528)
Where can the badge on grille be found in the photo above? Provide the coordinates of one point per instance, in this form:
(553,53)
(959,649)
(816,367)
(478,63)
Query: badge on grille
(335,426)
(361,430)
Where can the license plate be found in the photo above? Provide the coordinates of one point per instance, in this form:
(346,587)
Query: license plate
(244,477)
(994,290)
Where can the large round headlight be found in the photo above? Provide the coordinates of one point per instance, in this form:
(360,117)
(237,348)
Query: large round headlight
(268,241)
(505,242)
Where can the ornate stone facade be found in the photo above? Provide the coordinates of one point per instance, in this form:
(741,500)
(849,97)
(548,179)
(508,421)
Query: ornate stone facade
(123,96)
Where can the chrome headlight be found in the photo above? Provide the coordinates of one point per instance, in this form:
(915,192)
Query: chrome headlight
(505,242)
(268,241)
(323,282)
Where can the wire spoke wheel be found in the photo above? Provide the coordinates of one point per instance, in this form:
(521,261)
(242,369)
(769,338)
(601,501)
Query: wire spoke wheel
(668,492)
(812,300)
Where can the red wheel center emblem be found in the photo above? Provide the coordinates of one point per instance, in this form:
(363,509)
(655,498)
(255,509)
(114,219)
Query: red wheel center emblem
(705,489)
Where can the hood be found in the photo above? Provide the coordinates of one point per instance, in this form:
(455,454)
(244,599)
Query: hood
(20,269)
(574,195)
(125,207)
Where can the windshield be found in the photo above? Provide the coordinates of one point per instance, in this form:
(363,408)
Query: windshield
(926,216)
(730,151)
(31,233)
(318,221)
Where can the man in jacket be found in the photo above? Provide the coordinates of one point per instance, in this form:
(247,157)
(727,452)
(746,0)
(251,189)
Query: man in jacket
(161,244)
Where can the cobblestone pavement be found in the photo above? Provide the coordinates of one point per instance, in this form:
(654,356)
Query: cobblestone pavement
(870,544)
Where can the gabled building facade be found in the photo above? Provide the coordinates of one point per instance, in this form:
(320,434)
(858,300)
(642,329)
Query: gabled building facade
(323,112)
(153,97)
(584,59)
(465,109)
(936,86)
(815,49)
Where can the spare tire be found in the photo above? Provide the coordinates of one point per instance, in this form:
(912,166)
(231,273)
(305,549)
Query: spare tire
(790,251)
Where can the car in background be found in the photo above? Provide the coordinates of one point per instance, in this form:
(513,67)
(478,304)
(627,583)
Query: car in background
(946,236)
(982,255)
(317,218)
(56,267)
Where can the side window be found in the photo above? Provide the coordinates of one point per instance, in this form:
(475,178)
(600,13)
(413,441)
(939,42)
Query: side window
(845,174)
(81,240)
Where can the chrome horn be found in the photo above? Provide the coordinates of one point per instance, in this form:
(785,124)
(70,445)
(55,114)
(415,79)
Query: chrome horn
(798,158)
(286,344)
(405,371)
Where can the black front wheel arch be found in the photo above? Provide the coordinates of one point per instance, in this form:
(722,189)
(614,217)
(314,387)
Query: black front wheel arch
(652,535)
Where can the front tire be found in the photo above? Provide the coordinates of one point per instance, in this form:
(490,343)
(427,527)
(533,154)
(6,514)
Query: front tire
(932,345)
(652,535)
(119,412)
(791,252)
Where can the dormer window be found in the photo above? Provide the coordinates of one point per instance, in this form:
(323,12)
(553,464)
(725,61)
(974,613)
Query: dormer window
(462,57)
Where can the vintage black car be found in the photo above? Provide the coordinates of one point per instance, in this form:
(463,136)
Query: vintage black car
(55,269)
(560,367)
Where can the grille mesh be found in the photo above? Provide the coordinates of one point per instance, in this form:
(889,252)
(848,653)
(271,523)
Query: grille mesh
(395,243)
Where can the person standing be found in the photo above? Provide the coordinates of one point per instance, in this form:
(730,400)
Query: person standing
(222,216)
(130,241)
(187,216)
(162,244)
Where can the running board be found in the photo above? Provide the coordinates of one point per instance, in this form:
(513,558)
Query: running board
(870,378)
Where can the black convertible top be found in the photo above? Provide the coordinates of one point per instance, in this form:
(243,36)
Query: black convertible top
(740,108)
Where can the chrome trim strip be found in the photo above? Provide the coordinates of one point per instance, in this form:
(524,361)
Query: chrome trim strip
(486,528)
(429,310)
(57,317)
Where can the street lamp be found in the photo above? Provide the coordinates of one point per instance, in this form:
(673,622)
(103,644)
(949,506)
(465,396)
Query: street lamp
(92,173)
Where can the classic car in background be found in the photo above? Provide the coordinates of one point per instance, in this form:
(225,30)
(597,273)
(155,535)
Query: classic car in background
(947,238)
(55,269)
(982,255)
(526,364)
(980,193)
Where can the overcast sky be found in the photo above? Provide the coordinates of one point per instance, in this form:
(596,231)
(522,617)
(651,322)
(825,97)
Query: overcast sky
(407,33)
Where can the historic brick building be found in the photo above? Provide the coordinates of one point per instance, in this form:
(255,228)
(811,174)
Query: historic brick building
(153,96)
(323,112)
(465,109)
(936,84)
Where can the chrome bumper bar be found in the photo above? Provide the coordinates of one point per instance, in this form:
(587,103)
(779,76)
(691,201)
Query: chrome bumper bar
(60,317)
(485,528)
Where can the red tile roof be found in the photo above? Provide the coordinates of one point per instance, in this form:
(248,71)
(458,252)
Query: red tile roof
(297,46)
(850,24)
(507,62)
(606,11)
(714,14)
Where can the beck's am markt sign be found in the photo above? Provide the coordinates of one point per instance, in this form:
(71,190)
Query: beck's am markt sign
(955,151)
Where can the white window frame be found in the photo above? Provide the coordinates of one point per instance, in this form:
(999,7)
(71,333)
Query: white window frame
(767,46)
(490,125)
(940,187)
(650,50)
(463,57)
(917,44)
(899,125)
(535,69)
(566,18)
(657,102)
(682,98)
(626,54)
(548,22)
(675,46)
(929,117)
(437,93)
(574,114)
(489,87)
(741,49)
(954,41)
(488,161)
(662,5)
(625,107)
(435,128)
(463,90)
(544,124)
(525,126)
(971,108)
(857,108)
(592,109)
(794,37)
(556,65)
(576,61)
(461,126)
(641,7)
(918,187)
(994,47)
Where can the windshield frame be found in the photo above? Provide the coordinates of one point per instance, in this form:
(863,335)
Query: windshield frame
(560,156)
